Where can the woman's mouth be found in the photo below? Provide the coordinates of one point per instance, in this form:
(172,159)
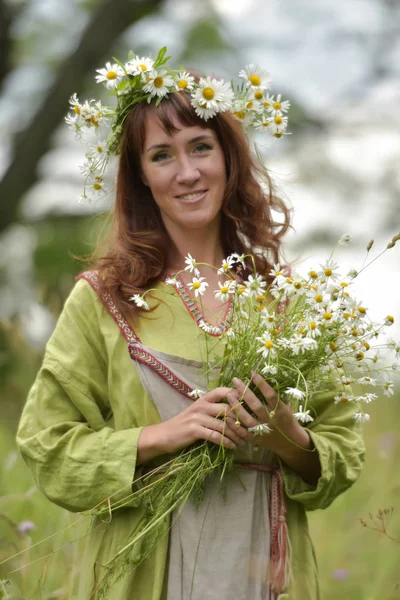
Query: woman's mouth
(192,196)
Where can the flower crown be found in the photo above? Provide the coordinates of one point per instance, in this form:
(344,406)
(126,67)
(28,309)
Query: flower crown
(144,80)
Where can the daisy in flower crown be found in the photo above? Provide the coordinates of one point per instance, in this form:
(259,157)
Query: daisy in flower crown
(142,79)
(192,482)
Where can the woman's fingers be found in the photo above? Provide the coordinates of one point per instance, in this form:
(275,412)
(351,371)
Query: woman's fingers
(224,428)
(253,402)
(240,413)
(267,391)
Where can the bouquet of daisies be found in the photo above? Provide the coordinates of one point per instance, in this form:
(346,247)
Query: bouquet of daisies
(301,332)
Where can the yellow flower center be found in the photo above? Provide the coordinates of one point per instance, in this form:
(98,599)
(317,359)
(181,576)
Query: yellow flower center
(97,186)
(277,105)
(269,345)
(266,104)
(241,290)
(328,316)
(111,75)
(275,331)
(289,279)
(278,120)
(344,399)
(249,105)
(360,355)
(196,285)
(366,345)
(362,310)
(390,319)
(158,82)
(260,298)
(354,333)
(182,84)
(255,80)
(344,284)
(94,121)
(142,67)
(332,346)
(208,93)
(77,110)
(297,285)
(277,135)
(313,325)
(99,149)
(328,272)
(258,95)
(240,114)
(224,289)
(313,274)
(318,298)
(265,124)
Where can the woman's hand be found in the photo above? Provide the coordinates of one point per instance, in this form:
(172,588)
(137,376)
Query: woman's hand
(208,418)
(278,416)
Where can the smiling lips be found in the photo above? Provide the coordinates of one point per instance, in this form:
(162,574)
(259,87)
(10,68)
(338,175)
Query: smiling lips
(192,196)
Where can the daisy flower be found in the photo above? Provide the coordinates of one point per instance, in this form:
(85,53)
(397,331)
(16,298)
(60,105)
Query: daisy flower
(313,329)
(112,75)
(267,347)
(184,81)
(277,107)
(173,281)
(96,186)
(241,112)
(269,370)
(225,289)
(139,301)
(238,258)
(198,285)
(295,393)
(191,265)
(260,429)
(211,97)
(361,417)
(389,320)
(196,393)
(159,83)
(255,285)
(366,380)
(98,149)
(388,388)
(303,415)
(256,77)
(139,66)
(226,265)
(278,125)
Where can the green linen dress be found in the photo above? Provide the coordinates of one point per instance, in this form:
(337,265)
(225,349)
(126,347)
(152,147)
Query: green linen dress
(80,427)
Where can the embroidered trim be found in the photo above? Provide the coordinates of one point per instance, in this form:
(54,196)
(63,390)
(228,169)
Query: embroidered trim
(158,367)
(191,306)
(280,548)
(135,352)
(92,277)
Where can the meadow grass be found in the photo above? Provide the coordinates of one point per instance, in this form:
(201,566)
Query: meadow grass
(355,562)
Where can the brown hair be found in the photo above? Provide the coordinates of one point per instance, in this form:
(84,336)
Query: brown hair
(138,241)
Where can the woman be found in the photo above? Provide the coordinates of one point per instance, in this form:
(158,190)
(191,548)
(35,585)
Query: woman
(99,414)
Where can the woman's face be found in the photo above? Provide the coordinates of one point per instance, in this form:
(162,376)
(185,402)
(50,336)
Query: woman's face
(186,174)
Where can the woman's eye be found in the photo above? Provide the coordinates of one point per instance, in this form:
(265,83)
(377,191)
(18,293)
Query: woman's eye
(203,147)
(160,157)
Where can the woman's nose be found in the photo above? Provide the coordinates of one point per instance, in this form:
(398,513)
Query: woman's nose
(187,171)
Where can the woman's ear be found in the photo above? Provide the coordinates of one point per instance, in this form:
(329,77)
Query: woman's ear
(144,179)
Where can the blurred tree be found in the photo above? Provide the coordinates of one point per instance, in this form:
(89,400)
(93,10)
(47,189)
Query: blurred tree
(109,20)
(5,41)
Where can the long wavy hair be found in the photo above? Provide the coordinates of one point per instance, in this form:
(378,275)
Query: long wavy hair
(136,248)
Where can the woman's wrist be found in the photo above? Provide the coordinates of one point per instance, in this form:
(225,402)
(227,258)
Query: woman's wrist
(152,442)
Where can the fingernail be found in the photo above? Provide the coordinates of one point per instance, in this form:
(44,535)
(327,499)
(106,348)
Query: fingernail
(236,381)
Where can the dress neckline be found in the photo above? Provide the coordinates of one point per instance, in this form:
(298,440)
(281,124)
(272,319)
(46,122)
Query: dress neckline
(192,307)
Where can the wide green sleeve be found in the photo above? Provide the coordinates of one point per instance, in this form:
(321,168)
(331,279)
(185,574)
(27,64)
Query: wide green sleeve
(66,434)
(338,440)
